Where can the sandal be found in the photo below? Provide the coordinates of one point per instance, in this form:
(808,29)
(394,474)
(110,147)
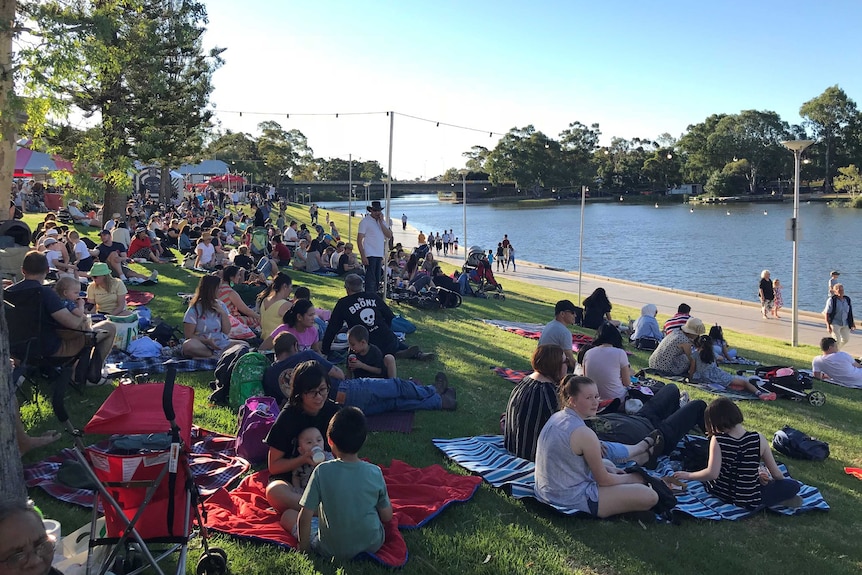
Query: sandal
(655,441)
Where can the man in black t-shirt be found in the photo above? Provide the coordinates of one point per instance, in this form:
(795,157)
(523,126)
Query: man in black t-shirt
(276,379)
(114,254)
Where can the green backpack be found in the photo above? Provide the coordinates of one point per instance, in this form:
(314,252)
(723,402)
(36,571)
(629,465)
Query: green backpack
(246,379)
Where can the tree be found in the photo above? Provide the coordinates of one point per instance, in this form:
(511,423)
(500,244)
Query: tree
(828,116)
(849,180)
(371,171)
(282,151)
(528,157)
(476,158)
(699,162)
(134,64)
(663,169)
(753,135)
(578,143)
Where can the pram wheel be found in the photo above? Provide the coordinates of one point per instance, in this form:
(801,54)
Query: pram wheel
(817,398)
(212,563)
(219,551)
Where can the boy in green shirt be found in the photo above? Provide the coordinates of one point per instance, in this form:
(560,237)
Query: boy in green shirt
(348,494)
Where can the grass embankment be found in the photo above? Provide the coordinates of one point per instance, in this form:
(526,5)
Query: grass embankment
(518,537)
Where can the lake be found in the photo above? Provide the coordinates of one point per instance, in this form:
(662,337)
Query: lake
(719,250)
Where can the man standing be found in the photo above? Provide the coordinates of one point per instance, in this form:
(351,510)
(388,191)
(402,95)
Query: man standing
(404,222)
(839,316)
(836,365)
(446,241)
(371,240)
(557,331)
(767,294)
(360,308)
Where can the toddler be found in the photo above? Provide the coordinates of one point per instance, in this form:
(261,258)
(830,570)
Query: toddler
(778,302)
(306,442)
(69,290)
(734,472)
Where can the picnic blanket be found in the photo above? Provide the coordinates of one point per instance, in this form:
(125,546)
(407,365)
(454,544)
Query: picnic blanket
(486,456)
(739,360)
(135,297)
(733,394)
(534,331)
(121,361)
(513,375)
(417,496)
(854,471)
(396,421)
(213,460)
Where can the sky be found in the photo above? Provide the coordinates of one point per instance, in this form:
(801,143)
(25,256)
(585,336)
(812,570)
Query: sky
(638,69)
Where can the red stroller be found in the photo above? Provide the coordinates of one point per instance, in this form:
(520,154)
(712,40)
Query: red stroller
(478,270)
(144,482)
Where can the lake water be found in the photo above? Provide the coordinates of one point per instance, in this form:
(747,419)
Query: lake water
(719,250)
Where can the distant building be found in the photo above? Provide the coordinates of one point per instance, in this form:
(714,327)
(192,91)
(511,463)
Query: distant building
(686,189)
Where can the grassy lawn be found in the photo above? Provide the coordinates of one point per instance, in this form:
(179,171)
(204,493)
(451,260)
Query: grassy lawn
(494,533)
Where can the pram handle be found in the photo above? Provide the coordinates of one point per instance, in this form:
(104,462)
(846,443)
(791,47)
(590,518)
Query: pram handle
(168,392)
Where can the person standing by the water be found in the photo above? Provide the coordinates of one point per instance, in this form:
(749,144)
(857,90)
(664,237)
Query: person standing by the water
(446,241)
(499,255)
(779,300)
(767,294)
(404,222)
(511,259)
(839,316)
(833,279)
(420,240)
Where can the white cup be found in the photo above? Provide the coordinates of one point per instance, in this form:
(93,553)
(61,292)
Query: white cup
(53,529)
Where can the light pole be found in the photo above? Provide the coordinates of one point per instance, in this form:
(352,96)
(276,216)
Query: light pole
(584,190)
(797,147)
(309,195)
(464,209)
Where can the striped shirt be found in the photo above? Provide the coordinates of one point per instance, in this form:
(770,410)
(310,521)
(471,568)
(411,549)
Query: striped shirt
(675,322)
(737,481)
(531,405)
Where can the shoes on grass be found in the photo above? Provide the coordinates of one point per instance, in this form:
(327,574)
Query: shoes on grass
(441,383)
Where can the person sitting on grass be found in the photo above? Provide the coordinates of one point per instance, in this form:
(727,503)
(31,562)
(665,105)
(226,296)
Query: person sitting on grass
(837,366)
(734,472)
(206,324)
(366,359)
(105,292)
(719,345)
(646,326)
(309,439)
(298,320)
(350,494)
(707,371)
(570,470)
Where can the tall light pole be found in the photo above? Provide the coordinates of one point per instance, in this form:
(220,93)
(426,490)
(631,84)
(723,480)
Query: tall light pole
(350,199)
(797,147)
(464,209)
(584,190)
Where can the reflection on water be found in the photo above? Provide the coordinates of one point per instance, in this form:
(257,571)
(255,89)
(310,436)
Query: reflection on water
(719,250)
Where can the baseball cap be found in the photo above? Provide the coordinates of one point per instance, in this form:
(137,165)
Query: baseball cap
(564,305)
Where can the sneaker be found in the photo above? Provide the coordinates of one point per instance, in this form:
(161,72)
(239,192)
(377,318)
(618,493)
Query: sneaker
(684,399)
(154,277)
(422,356)
(102,381)
(441,383)
(767,396)
(408,353)
(449,402)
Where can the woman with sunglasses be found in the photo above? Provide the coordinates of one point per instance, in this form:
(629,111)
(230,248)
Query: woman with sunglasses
(25,548)
(308,405)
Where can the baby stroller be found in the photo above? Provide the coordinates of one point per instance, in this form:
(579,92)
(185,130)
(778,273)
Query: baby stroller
(259,242)
(479,274)
(143,482)
(789,383)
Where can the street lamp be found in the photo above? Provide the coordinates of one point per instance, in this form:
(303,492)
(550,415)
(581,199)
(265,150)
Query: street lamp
(797,147)
(309,194)
(464,208)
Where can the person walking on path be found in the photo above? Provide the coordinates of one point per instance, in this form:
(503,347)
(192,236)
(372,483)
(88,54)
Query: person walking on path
(779,299)
(404,222)
(839,316)
(499,255)
(511,259)
(767,294)
(833,279)
(371,240)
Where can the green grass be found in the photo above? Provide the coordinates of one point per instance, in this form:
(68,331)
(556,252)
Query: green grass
(518,537)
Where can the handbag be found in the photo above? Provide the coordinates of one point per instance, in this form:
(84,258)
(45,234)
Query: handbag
(255,418)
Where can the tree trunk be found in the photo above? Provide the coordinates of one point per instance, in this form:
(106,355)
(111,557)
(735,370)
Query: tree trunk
(7,114)
(12,486)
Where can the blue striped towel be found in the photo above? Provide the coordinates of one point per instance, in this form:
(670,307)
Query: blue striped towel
(486,456)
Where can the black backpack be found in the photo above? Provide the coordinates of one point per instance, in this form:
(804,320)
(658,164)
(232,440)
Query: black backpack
(666,498)
(798,445)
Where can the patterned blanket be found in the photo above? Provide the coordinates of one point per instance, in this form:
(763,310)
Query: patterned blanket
(121,361)
(736,395)
(486,456)
(534,331)
(213,462)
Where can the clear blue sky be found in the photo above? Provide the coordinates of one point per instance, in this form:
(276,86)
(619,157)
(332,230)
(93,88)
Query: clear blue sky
(636,68)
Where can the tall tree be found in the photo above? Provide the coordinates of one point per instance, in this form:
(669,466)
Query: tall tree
(528,157)
(283,151)
(476,158)
(699,162)
(104,58)
(828,116)
(578,143)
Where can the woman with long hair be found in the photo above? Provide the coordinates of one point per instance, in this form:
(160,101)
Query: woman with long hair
(230,298)
(273,303)
(607,363)
(597,309)
(206,324)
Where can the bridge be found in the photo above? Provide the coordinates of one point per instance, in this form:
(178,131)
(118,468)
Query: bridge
(476,189)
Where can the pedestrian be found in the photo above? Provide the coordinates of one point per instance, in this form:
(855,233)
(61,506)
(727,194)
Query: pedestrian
(511,259)
(766,293)
(455,245)
(404,222)
(839,316)
(446,241)
(778,303)
(371,239)
(833,279)
(491,258)
(499,255)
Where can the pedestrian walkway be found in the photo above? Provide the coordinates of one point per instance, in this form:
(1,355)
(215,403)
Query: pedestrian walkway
(733,314)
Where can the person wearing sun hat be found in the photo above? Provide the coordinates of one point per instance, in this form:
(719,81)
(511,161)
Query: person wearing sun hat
(371,241)
(673,356)
(106,292)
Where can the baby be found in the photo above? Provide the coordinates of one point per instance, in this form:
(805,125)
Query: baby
(307,440)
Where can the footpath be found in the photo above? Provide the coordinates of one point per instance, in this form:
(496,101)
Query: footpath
(738,315)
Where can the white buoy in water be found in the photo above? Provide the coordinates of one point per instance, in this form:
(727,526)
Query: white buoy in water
(691,210)
(765,213)
(728,212)
(656,204)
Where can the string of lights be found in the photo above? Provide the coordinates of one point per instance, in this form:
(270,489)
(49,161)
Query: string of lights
(437,123)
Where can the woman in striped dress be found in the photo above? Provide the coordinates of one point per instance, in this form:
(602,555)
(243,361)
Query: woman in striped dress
(734,473)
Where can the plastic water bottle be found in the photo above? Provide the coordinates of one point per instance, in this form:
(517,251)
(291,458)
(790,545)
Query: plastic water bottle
(317,455)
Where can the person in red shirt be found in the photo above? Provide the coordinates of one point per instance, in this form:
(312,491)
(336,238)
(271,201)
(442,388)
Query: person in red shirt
(142,247)
(280,253)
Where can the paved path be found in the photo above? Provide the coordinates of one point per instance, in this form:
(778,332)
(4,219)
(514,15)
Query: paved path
(737,315)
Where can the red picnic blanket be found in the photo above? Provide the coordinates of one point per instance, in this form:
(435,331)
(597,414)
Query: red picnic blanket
(135,297)
(417,495)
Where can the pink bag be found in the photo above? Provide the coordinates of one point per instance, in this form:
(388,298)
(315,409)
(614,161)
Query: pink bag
(256,417)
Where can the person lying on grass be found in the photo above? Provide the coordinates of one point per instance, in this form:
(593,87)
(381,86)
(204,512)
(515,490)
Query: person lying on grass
(707,371)
(348,492)
(734,472)
(570,470)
